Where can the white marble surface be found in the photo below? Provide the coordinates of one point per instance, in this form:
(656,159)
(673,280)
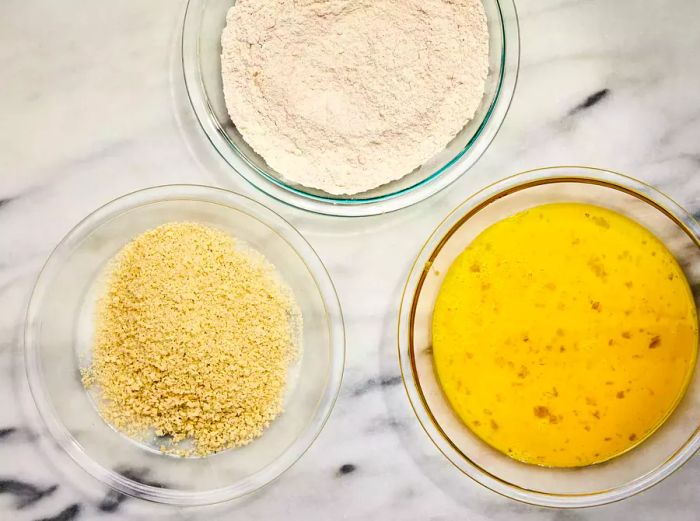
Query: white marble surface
(93,107)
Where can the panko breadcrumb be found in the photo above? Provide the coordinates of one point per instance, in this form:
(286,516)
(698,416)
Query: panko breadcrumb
(194,337)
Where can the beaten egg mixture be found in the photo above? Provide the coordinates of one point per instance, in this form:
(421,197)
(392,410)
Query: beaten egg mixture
(564,335)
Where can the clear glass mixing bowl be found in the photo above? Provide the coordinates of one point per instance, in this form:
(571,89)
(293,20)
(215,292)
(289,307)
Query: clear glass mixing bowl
(201,50)
(60,327)
(640,468)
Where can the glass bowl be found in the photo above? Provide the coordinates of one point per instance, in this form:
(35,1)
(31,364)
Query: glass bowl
(60,327)
(636,470)
(201,50)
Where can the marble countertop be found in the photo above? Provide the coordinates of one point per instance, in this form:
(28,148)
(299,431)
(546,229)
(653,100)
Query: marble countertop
(93,106)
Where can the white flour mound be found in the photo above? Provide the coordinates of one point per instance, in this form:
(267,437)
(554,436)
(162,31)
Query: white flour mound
(347,95)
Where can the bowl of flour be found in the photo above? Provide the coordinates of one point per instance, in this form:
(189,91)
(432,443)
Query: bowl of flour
(350,107)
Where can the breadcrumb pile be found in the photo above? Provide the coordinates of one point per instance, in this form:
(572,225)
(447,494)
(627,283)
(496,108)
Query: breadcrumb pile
(193,341)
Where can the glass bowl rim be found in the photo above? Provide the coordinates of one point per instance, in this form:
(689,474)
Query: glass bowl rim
(336,329)
(441,233)
(423,189)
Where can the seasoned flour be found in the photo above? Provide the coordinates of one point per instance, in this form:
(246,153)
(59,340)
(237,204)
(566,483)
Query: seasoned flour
(347,95)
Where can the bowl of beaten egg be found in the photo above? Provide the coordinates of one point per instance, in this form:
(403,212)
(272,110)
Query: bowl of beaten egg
(548,337)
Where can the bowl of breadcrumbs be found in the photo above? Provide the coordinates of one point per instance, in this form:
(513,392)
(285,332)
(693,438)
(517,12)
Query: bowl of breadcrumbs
(184,344)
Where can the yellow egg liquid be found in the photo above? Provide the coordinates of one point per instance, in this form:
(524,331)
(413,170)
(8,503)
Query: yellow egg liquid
(564,335)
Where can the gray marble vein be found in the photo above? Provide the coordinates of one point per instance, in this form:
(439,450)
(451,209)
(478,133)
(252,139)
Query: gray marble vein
(93,107)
